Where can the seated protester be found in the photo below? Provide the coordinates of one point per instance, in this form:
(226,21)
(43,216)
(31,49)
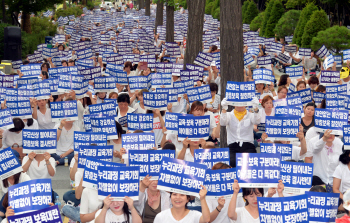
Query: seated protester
(341,179)
(180,213)
(44,75)
(284,80)
(308,120)
(71,63)
(151,200)
(117,144)
(266,110)
(140,107)
(346,217)
(128,69)
(325,151)
(123,107)
(263,90)
(45,67)
(30,123)
(313,82)
(13,138)
(65,141)
(101,96)
(158,125)
(187,152)
(113,95)
(118,211)
(10,181)
(309,64)
(214,104)
(42,113)
(301,85)
(219,208)
(240,128)
(39,166)
(282,92)
(249,213)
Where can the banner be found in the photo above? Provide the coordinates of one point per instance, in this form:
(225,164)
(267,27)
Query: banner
(140,122)
(330,119)
(294,72)
(7,80)
(88,138)
(318,97)
(161,79)
(281,111)
(31,69)
(264,76)
(64,110)
(104,124)
(47,215)
(256,170)
(9,164)
(39,141)
(282,128)
(264,61)
(180,176)
(153,100)
(104,84)
(149,161)
(219,182)
(118,182)
(138,83)
(193,127)
(105,109)
(6,119)
(323,207)
(104,153)
(305,52)
(305,96)
(30,195)
(138,141)
(203,59)
(296,177)
(210,157)
(248,59)
(285,150)
(240,93)
(329,77)
(283,209)
(202,94)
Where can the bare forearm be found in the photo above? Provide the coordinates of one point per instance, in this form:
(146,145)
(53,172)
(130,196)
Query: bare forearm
(182,153)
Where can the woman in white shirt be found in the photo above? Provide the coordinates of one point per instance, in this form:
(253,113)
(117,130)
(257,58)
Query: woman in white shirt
(341,175)
(158,124)
(13,137)
(140,107)
(117,144)
(30,123)
(266,110)
(118,211)
(43,114)
(249,213)
(39,166)
(282,92)
(123,107)
(180,213)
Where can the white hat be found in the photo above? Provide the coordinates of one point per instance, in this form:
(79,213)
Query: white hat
(213,63)
(346,200)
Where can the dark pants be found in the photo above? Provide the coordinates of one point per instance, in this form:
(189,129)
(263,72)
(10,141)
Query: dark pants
(70,196)
(247,147)
(61,160)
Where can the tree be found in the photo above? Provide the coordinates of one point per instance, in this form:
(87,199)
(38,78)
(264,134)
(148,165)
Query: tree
(287,23)
(64,4)
(196,9)
(27,7)
(217,14)
(141,4)
(244,9)
(318,22)
(159,14)
(251,13)
(335,37)
(215,6)
(148,7)
(276,13)
(231,53)
(266,17)
(303,19)
(170,21)
(208,6)
(257,22)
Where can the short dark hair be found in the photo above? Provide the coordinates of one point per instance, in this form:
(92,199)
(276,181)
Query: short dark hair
(188,198)
(19,125)
(44,73)
(169,146)
(123,98)
(344,158)
(249,191)
(313,80)
(214,87)
(318,188)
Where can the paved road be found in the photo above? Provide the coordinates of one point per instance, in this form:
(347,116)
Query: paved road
(61,181)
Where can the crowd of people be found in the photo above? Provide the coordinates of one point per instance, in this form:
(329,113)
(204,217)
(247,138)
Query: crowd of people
(325,150)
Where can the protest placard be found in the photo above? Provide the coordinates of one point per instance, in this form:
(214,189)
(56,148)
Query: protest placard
(219,183)
(330,119)
(202,94)
(329,77)
(7,80)
(296,177)
(104,84)
(138,141)
(263,76)
(282,128)
(90,73)
(328,62)
(203,59)
(294,72)
(39,141)
(88,138)
(6,119)
(182,86)
(153,100)
(240,93)
(264,60)
(210,157)
(346,135)
(140,122)
(41,90)
(30,195)
(180,176)
(287,110)
(149,161)
(276,148)
(248,59)
(64,110)
(161,79)
(104,153)
(68,82)
(193,127)
(31,69)
(105,124)
(323,51)
(305,96)
(47,215)
(105,109)
(318,97)
(323,207)
(138,83)
(305,52)
(9,164)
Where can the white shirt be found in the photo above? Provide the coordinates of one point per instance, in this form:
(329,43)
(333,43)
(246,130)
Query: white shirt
(243,216)
(139,110)
(180,106)
(44,120)
(113,218)
(263,114)
(35,124)
(130,110)
(308,136)
(89,202)
(239,131)
(324,164)
(342,172)
(39,172)
(10,138)
(66,139)
(222,216)
(167,216)
(116,147)
(22,178)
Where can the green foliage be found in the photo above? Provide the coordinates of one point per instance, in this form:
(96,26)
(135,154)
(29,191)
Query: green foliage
(183,3)
(287,23)
(215,6)
(69,11)
(208,8)
(276,13)
(335,37)
(30,6)
(266,17)
(294,3)
(318,22)
(212,7)
(217,13)
(257,22)
(244,9)
(251,12)
(90,5)
(303,19)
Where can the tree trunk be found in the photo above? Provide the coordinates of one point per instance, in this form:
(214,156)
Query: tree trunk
(196,10)
(64,4)
(141,4)
(25,22)
(83,2)
(148,7)
(169,23)
(159,14)
(3,11)
(231,51)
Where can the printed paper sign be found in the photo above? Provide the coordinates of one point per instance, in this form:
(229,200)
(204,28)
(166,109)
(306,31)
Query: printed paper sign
(240,93)
(138,141)
(282,128)
(104,153)
(275,148)
(296,177)
(39,141)
(88,138)
(140,122)
(64,110)
(210,157)
(193,127)
(331,119)
(9,164)
(323,207)
(47,215)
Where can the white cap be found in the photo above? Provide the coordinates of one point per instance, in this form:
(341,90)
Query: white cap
(346,200)
(213,64)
